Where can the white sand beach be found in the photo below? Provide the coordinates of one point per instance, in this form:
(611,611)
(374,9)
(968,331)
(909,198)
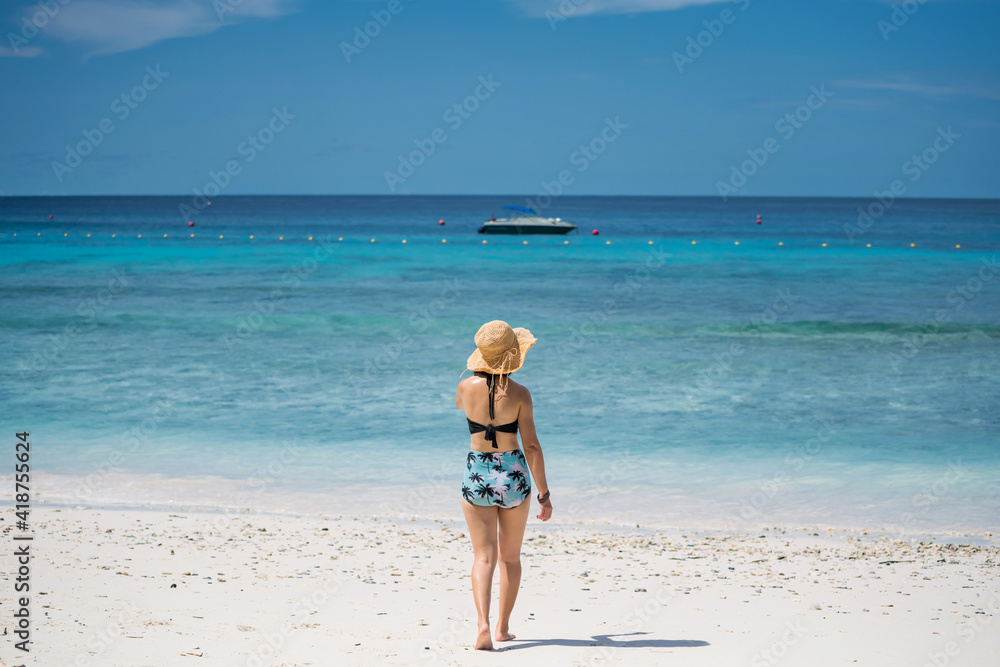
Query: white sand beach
(135,588)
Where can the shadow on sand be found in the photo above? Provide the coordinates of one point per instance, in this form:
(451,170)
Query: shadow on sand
(602,640)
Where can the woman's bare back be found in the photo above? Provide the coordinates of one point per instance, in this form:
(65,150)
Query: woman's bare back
(473,397)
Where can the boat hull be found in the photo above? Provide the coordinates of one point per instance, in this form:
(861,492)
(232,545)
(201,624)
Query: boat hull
(512,228)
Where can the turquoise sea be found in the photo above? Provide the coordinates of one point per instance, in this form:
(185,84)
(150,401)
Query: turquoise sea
(691,366)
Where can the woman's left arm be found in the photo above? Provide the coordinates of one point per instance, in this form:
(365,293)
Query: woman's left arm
(533,453)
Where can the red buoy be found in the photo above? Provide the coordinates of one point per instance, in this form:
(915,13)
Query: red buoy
(758,220)
(440,222)
(595,232)
(50,217)
(191,224)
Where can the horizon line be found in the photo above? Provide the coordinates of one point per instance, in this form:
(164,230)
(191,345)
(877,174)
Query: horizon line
(403,196)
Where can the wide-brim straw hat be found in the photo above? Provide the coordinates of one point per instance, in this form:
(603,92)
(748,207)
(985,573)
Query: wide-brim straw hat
(499,348)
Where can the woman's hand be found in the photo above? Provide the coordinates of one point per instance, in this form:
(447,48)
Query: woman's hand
(546,512)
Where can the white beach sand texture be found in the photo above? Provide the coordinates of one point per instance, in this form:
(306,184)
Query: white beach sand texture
(132,588)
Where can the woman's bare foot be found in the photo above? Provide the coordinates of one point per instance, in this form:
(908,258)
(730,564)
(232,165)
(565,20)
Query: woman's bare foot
(483,641)
(503,635)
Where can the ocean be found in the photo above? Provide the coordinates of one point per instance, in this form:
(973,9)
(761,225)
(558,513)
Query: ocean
(835,365)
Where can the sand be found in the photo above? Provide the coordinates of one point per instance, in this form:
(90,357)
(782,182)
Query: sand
(167,587)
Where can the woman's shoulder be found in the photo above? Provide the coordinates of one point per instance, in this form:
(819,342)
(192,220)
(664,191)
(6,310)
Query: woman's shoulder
(472,379)
(516,389)
(469,382)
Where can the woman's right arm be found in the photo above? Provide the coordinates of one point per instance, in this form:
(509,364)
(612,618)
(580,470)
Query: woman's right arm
(533,452)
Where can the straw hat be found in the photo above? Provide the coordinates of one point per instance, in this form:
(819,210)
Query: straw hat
(500,349)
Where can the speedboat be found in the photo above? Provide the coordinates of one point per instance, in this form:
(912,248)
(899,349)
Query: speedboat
(523,220)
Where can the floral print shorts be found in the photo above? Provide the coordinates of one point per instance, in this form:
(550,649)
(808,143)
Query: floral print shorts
(499,479)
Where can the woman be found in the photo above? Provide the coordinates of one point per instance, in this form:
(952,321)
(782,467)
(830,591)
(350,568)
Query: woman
(496,488)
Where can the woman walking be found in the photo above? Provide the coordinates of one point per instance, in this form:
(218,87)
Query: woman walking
(496,490)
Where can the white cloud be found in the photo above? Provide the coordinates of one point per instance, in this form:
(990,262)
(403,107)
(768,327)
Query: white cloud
(911,86)
(572,8)
(113,26)
(23,52)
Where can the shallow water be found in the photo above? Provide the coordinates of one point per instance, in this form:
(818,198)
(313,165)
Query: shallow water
(794,382)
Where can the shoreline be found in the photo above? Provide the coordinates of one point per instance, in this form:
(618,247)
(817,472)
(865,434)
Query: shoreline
(437,500)
(977,538)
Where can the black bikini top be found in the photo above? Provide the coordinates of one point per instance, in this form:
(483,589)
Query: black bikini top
(491,430)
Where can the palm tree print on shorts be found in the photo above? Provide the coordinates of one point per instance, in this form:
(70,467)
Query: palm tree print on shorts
(499,479)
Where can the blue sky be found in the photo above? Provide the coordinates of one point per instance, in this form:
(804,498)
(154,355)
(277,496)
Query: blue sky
(590,91)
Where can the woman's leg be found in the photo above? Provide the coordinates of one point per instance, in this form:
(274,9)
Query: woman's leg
(512,522)
(482,523)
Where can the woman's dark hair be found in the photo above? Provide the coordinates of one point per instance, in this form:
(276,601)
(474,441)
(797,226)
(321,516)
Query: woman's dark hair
(492,376)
